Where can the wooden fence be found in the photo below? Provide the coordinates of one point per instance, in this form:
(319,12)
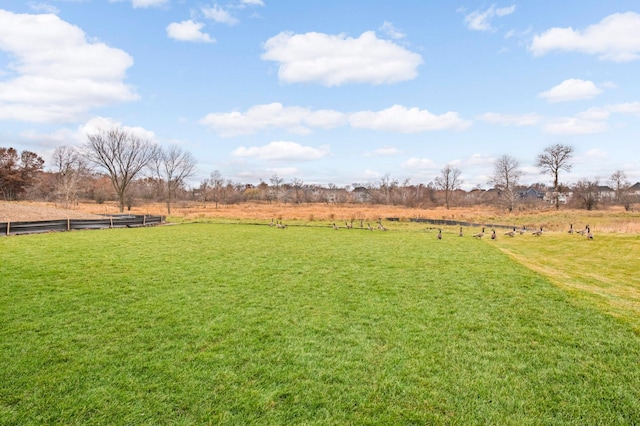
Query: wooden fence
(117,221)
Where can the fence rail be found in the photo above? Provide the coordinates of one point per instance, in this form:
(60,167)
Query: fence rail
(123,221)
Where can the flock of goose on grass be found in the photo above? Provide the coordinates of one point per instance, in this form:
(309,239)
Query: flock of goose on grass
(537,233)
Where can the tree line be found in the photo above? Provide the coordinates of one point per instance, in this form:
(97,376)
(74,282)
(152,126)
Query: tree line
(116,164)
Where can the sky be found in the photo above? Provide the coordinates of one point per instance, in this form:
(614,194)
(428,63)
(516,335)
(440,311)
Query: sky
(331,91)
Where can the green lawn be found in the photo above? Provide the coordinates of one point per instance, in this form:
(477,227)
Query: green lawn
(245,324)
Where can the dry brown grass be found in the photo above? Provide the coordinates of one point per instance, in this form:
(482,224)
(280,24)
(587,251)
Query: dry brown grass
(612,219)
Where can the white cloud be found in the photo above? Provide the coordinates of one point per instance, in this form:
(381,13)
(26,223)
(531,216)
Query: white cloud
(78,136)
(596,153)
(625,108)
(333,60)
(594,114)
(219,15)
(104,123)
(419,164)
(144,3)
(389,29)
(575,126)
(399,118)
(59,74)
(615,38)
(571,90)
(188,31)
(282,150)
(43,7)
(383,152)
(481,20)
(530,119)
(253,2)
(297,120)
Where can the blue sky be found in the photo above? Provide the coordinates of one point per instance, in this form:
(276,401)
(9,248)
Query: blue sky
(331,91)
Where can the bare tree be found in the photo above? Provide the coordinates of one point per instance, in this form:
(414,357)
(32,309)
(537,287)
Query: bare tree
(506,174)
(122,155)
(297,185)
(620,184)
(276,183)
(448,181)
(216,184)
(173,166)
(552,161)
(71,169)
(587,193)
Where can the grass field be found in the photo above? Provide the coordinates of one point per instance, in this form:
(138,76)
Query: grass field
(245,324)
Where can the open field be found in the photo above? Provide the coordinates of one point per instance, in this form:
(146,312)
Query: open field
(242,324)
(610,220)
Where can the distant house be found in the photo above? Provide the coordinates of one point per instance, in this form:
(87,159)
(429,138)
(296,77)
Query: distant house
(635,189)
(606,192)
(530,194)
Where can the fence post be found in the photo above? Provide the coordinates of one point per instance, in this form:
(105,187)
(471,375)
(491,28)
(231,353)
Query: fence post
(68,224)
(144,220)
(110,221)
(8,227)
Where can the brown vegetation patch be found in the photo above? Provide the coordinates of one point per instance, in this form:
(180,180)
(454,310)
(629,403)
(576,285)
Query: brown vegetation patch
(610,220)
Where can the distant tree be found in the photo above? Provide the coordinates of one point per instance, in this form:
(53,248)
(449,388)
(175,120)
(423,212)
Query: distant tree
(122,155)
(71,170)
(449,181)
(173,166)
(552,161)
(216,187)
(587,193)
(297,185)
(506,174)
(620,185)
(387,186)
(18,172)
(276,184)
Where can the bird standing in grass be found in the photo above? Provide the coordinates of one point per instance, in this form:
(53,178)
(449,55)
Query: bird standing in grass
(493,234)
(479,234)
(570,228)
(511,233)
(523,230)
(589,234)
(440,234)
(460,233)
(335,226)
(537,233)
(369,227)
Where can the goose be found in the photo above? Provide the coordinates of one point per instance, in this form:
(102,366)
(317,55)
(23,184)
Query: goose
(479,234)
(380,226)
(493,234)
(589,234)
(348,225)
(335,226)
(523,230)
(511,233)
(440,234)
(460,233)
(570,228)
(537,233)
(272,223)
(584,231)
(369,227)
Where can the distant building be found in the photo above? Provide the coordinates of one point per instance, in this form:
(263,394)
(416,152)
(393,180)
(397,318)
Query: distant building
(530,194)
(606,193)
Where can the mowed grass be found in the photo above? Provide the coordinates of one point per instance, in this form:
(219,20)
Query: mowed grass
(241,324)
